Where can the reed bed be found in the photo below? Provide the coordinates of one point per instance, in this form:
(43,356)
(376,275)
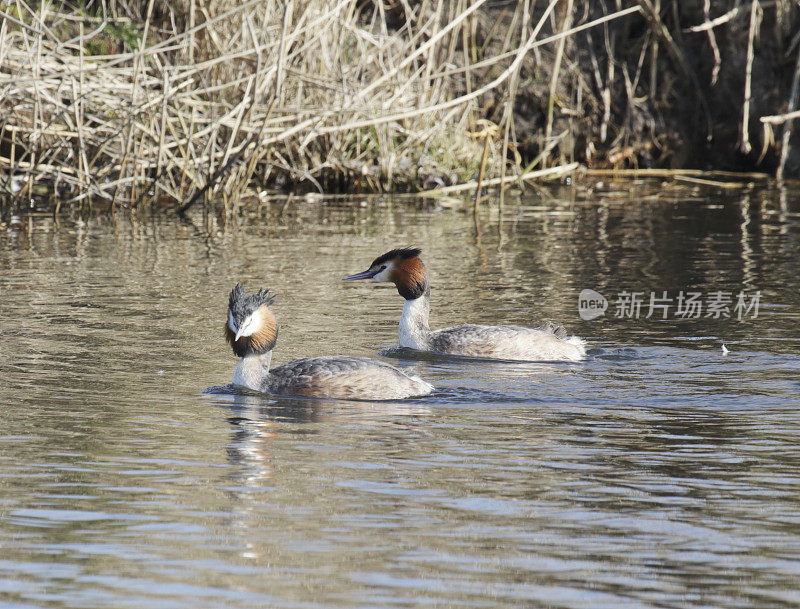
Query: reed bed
(131,102)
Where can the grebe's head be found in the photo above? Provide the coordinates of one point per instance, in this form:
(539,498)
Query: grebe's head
(402,267)
(251,327)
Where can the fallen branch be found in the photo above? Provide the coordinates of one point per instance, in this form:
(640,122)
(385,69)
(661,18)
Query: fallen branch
(671,173)
(550,172)
(777,119)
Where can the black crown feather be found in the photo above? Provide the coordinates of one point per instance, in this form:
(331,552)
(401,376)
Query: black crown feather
(401,252)
(241,304)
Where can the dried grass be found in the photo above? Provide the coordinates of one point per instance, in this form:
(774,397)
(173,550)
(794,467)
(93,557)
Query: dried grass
(133,101)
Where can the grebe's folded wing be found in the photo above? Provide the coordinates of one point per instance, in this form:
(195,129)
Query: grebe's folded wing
(547,342)
(345,377)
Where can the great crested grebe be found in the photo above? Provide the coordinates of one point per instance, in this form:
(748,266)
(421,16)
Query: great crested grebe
(252,332)
(404,268)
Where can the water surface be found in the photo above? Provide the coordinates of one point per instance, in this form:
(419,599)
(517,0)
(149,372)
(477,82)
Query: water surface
(658,473)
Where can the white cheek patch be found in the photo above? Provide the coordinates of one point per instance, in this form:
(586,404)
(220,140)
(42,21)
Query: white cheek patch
(251,324)
(383,275)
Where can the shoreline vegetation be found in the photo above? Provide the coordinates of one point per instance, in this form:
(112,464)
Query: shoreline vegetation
(179,103)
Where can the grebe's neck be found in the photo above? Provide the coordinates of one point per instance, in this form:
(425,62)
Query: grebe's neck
(414,329)
(252,371)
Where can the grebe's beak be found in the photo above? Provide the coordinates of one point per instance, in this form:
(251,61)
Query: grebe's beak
(368,274)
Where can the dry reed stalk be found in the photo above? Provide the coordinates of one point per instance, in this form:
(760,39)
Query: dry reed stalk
(566,22)
(508,113)
(486,137)
(671,173)
(778,119)
(712,41)
(714,183)
(549,173)
(710,24)
(755,21)
(789,118)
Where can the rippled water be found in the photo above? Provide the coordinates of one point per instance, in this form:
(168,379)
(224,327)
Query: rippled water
(658,473)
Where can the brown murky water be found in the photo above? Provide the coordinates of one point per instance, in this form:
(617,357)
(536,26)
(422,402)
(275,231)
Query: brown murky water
(658,473)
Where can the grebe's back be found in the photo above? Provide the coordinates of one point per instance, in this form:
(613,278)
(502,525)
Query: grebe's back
(343,377)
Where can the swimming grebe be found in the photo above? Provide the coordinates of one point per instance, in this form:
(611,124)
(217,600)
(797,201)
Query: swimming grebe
(252,332)
(404,268)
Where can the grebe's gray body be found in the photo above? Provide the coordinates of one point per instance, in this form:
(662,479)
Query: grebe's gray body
(252,332)
(404,268)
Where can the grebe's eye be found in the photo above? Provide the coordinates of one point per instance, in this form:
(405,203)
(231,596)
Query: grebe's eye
(383,268)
